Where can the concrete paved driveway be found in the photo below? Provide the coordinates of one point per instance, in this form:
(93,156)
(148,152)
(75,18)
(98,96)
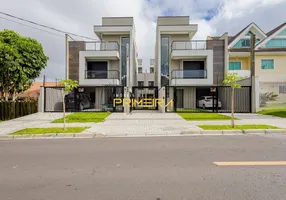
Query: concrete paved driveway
(143,123)
(170,168)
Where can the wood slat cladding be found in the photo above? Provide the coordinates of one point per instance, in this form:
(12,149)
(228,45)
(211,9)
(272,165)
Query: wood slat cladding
(74,48)
(218,59)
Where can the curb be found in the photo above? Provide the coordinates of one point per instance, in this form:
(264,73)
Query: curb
(235,132)
(52,136)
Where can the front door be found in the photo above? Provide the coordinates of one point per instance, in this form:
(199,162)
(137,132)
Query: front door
(180,98)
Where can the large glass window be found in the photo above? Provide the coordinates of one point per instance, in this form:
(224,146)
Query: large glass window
(165,51)
(124,42)
(243,43)
(234,65)
(140,83)
(151,83)
(276,43)
(267,64)
(283,33)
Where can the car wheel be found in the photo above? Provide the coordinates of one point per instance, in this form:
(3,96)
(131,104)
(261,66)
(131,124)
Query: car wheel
(204,106)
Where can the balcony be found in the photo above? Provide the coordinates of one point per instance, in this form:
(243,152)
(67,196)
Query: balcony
(180,77)
(99,78)
(189,49)
(101,50)
(101,46)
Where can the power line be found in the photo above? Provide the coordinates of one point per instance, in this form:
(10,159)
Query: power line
(45,26)
(32,27)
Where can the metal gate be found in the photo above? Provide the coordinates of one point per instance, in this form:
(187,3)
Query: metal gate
(210,99)
(84,99)
(144,98)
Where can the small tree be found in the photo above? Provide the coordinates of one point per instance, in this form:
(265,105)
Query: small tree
(69,85)
(231,80)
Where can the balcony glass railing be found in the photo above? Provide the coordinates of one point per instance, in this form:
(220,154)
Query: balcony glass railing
(95,74)
(101,46)
(189,45)
(188,74)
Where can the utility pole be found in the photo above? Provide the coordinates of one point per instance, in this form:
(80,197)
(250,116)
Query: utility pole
(44,81)
(252,53)
(254,89)
(67,56)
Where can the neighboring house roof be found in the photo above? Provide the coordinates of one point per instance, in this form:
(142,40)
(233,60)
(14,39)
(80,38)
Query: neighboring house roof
(234,39)
(271,34)
(230,39)
(34,90)
(275,29)
(267,37)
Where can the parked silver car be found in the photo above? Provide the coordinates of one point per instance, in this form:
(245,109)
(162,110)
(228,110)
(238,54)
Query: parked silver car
(208,102)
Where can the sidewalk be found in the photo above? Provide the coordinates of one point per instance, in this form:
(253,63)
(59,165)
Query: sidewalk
(29,121)
(136,124)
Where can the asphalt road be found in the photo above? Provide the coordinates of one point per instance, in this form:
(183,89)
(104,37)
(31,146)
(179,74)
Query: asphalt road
(173,168)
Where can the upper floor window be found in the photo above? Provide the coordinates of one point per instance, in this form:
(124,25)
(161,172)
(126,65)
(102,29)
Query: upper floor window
(151,70)
(276,43)
(140,83)
(244,43)
(151,83)
(267,64)
(234,65)
(283,33)
(140,70)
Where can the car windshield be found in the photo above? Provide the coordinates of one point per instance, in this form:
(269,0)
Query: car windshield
(212,98)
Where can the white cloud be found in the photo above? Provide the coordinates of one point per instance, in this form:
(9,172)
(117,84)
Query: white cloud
(80,16)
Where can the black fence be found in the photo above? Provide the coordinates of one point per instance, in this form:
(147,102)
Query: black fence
(84,99)
(208,99)
(11,110)
(144,98)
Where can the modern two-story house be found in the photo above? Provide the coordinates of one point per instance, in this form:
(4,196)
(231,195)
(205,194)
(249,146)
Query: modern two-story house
(105,67)
(187,68)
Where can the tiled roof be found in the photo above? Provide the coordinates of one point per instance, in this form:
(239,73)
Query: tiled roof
(275,29)
(34,90)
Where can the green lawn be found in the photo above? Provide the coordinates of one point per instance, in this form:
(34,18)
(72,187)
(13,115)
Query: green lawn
(281,106)
(192,111)
(237,127)
(274,112)
(84,117)
(203,116)
(33,131)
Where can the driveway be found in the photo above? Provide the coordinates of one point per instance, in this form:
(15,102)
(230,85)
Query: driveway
(143,123)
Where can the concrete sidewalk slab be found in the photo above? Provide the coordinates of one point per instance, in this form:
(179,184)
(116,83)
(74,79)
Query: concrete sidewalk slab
(29,121)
